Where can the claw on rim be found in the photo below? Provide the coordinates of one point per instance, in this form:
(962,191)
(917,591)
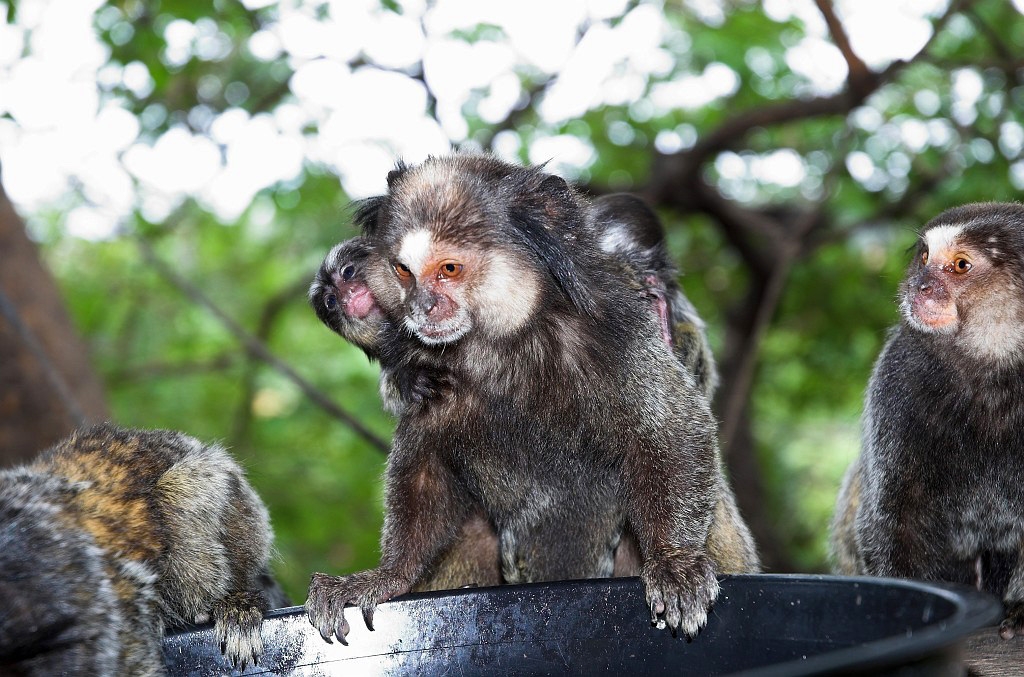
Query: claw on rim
(341,630)
(368,616)
(323,633)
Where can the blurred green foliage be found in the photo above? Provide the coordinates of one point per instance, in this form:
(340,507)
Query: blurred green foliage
(169,363)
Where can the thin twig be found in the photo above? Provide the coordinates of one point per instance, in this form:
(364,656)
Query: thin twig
(271,311)
(860,76)
(257,348)
(164,369)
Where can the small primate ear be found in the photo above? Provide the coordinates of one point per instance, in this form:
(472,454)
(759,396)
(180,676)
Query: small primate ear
(541,216)
(631,213)
(368,211)
(396,173)
(367,214)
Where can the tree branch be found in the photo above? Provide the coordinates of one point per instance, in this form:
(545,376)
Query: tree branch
(257,348)
(163,369)
(860,78)
(676,170)
(271,311)
(786,253)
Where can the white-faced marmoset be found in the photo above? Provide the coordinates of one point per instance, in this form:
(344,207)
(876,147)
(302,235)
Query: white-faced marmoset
(566,420)
(938,490)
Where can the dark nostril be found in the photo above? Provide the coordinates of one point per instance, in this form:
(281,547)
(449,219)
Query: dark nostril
(925,287)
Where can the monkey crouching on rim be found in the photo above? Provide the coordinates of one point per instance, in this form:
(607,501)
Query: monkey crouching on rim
(113,536)
(937,492)
(567,421)
(342,300)
(631,233)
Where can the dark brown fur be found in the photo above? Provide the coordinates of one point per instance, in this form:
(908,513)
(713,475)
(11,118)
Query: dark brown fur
(568,422)
(630,232)
(473,559)
(633,237)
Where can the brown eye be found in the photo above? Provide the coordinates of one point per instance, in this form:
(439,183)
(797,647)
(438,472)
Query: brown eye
(961,265)
(450,269)
(402,271)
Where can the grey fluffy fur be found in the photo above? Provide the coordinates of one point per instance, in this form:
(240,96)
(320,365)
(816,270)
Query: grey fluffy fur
(113,536)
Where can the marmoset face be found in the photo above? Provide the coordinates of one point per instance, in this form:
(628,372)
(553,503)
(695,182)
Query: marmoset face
(966,280)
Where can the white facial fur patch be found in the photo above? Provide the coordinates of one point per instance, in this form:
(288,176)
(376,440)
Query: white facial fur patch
(447,332)
(994,335)
(941,238)
(617,239)
(415,250)
(508,296)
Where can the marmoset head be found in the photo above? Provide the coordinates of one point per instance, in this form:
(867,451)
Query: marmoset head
(341,298)
(628,230)
(967,280)
(470,243)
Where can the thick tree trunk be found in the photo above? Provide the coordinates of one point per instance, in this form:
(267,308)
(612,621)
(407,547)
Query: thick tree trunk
(47,385)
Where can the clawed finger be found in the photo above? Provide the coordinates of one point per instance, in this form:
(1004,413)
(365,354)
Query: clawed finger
(368,616)
(657,605)
(673,617)
(341,627)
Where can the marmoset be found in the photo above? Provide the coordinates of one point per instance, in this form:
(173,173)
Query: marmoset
(114,535)
(628,230)
(936,493)
(631,233)
(342,300)
(567,421)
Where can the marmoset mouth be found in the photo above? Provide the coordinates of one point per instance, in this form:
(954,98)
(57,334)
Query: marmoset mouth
(436,334)
(360,302)
(932,314)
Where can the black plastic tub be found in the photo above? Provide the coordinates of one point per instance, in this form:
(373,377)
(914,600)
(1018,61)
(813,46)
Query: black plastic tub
(761,625)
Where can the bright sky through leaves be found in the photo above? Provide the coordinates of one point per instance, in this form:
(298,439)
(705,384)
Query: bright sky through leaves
(64,131)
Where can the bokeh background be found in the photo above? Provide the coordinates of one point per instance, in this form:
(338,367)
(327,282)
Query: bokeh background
(173,172)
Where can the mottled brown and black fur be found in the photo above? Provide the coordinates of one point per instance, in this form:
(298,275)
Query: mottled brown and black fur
(568,423)
(632,235)
(114,535)
(937,492)
(630,231)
